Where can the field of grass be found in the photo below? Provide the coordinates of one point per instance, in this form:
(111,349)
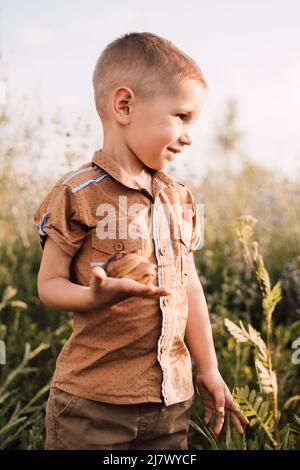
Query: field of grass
(252,290)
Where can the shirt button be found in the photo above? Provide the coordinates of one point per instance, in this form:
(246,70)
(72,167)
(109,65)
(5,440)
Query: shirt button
(119,246)
(163,251)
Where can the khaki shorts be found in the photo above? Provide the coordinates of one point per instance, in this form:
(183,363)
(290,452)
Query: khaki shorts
(76,423)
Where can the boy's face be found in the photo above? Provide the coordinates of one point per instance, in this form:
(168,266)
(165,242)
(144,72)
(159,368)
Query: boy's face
(164,122)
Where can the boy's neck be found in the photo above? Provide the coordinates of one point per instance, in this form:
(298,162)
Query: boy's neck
(146,182)
(132,165)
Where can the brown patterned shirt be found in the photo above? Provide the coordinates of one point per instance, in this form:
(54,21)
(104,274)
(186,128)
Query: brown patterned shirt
(133,351)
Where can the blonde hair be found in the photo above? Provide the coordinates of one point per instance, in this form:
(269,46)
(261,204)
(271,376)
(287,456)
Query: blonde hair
(144,62)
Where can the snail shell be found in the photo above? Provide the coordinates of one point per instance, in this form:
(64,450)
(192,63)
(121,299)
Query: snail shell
(130,265)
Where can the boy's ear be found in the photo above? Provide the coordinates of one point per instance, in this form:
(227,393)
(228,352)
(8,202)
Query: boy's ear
(123,100)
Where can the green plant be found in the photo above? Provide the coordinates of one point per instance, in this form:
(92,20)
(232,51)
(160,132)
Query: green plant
(268,429)
(262,411)
(16,416)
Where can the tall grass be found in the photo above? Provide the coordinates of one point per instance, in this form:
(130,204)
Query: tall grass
(266,409)
(253,339)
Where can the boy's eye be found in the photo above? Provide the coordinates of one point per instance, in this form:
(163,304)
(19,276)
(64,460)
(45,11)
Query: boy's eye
(182,116)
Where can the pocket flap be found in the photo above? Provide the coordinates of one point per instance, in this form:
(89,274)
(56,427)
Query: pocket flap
(111,246)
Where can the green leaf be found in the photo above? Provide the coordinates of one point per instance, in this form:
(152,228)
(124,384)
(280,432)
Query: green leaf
(258,412)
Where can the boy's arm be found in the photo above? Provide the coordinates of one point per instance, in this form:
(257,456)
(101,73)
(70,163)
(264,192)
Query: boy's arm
(215,394)
(54,287)
(198,329)
(58,292)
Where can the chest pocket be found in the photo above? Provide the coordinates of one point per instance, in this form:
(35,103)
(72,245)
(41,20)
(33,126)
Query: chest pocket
(104,249)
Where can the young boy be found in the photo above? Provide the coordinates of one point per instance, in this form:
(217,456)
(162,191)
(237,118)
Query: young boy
(123,380)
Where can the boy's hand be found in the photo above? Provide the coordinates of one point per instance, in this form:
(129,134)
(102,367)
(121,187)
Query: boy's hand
(216,398)
(106,291)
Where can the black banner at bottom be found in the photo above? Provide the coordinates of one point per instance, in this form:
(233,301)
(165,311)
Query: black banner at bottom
(151,459)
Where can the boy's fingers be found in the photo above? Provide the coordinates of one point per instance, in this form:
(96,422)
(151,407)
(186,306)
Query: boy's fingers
(233,406)
(126,285)
(162,290)
(134,287)
(207,415)
(236,422)
(220,402)
(155,289)
(220,410)
(156,292)
(219,422)
(99,274)
(240,415)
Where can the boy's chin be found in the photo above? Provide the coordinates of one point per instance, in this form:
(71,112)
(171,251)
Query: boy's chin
(157,166)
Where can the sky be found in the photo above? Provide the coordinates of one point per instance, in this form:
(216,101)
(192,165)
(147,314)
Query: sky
(248,51)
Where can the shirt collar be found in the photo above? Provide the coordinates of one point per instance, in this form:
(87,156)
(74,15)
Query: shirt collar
(110,166)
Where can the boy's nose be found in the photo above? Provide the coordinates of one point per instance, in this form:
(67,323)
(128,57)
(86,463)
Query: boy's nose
(186,139)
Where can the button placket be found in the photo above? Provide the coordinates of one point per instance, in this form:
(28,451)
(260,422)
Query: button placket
(162,301)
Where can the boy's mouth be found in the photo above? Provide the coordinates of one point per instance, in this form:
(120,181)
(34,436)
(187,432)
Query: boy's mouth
(173,150)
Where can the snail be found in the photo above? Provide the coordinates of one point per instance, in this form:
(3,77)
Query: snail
(130,265)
